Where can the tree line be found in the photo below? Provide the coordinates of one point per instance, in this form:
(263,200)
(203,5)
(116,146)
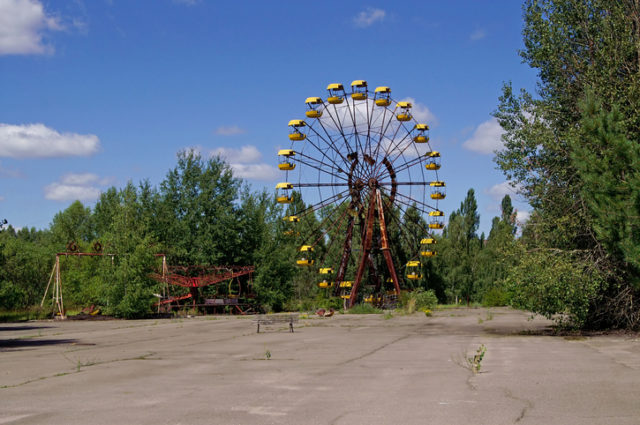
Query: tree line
(571,149)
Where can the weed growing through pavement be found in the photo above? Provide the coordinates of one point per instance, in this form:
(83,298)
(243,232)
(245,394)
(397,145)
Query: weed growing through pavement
(475,362)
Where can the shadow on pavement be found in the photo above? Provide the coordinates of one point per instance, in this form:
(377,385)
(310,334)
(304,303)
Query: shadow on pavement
(32,343)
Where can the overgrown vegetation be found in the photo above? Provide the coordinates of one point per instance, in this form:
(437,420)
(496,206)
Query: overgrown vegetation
(572,150)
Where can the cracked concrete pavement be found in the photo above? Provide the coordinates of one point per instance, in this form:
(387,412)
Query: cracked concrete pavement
(347,369)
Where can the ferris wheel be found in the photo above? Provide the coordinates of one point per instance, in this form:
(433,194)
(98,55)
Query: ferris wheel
(364,169)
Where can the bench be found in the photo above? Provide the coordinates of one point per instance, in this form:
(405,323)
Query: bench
(276,319)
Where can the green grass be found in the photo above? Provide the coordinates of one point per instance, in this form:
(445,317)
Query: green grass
(24,315)
(364,309)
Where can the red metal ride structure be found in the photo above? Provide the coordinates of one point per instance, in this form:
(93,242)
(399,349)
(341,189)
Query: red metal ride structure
(196,278)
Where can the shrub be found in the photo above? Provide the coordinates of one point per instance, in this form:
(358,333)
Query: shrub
(418,300)
(495,297)
(364,309)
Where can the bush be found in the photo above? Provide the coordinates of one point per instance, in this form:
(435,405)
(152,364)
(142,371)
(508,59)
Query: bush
(418,300)
(495,297)
(364,309)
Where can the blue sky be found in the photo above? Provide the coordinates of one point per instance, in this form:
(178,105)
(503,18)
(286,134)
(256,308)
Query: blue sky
(96,93)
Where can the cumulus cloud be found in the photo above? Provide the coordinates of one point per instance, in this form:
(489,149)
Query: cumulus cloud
(369,17)
(498,191)
(245,155)
(71,187)
(421,112)
(245,163)
(522,217)
(23,24)
(40,141)
(486,139)
(231,130)
(261,172)
(478,34)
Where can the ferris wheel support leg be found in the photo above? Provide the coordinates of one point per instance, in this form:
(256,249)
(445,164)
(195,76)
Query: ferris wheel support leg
(346,253)
(386,252)
(366,248)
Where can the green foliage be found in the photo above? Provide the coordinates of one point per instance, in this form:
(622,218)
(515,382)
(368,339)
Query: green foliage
(418,300)
(573,152)
(495,297)
(364,309)
(555,284)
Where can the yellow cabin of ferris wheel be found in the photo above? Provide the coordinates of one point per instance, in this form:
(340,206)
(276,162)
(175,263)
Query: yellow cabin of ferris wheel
(383,96)
(433,160)
(336,93)
(438,191)
(295,133)
(359,90)
(413,270)
(306,254)
(314,104)
(405,111)
(283,193)
(285,155)
(427,248)
(422,135)
(436,220)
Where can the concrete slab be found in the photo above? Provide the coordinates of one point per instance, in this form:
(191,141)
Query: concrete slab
(347,369)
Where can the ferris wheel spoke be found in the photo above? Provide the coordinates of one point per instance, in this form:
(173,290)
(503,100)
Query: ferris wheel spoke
(384,128)
(322,152)
(323,221)
(407,201)
(324,202)
(321,166)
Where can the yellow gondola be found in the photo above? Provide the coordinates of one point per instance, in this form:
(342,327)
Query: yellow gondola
(314,104)
(291,218)
(433,160)
(283,194)
(405,113)
(427,247)
(422,133)
(326,270)
(438,190)
(436,220)
(383,96)
(336,93)
(306,254)
(346,284)
(286,164)
(345,296)
(359,90)
(413,270)
(325,284)
(295,133)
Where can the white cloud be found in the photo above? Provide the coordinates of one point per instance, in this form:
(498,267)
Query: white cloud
(40,141)
(22,25)
(487,138)
(478,34)
(421,112)
(245,155)
(245,163)
(261,172)
(498,191)
(231,130)
(522,217)
(368,17)
(79,179)
(81,186)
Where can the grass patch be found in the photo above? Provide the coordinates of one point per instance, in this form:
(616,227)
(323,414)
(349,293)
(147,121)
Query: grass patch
(364,309)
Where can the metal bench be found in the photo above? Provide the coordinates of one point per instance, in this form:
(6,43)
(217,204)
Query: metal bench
(276,319)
